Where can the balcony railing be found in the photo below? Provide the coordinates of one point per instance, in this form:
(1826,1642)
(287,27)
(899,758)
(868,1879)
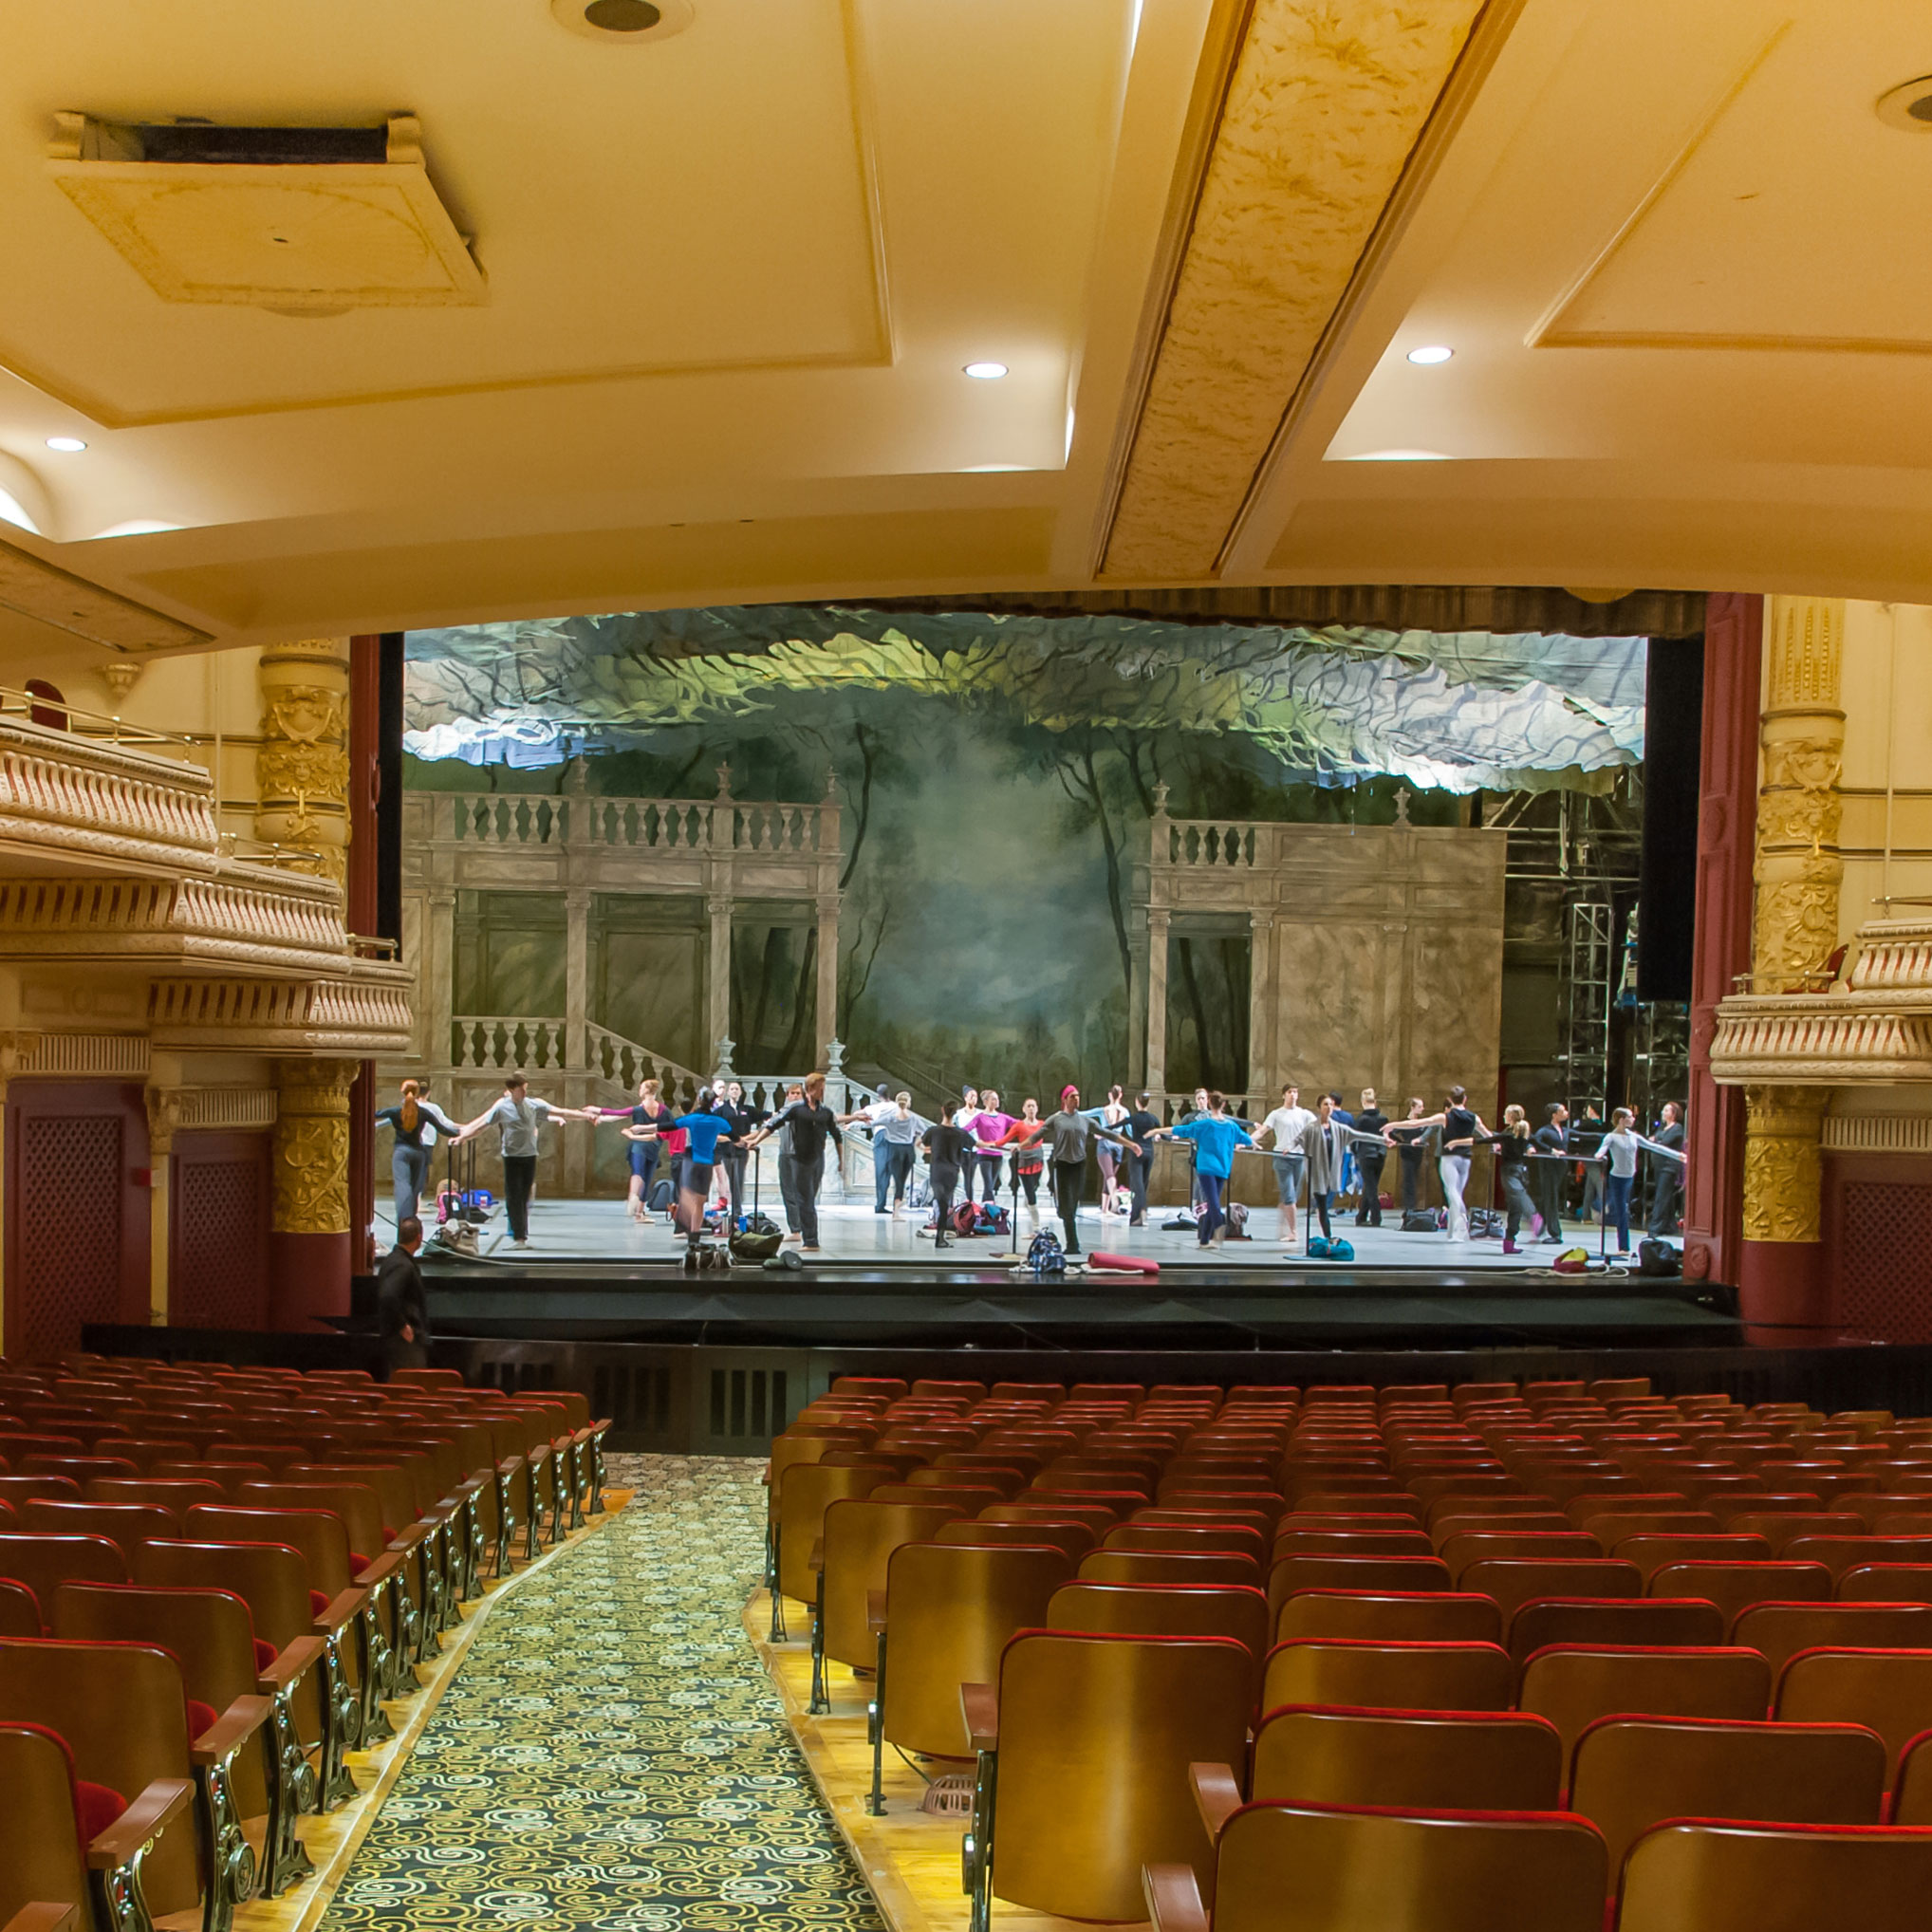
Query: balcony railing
(521,821)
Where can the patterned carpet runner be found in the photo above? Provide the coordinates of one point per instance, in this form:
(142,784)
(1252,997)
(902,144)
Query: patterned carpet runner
(610,1754)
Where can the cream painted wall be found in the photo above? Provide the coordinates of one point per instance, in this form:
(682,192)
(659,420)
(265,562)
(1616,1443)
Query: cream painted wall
(1886,688)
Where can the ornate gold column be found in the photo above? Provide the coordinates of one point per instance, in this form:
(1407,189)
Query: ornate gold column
(164,1119)
(1794,929)
(1802,736)
(309,1161)
(302,768)
(18,1046)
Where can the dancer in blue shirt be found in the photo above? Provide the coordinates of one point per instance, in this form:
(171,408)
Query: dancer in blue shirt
(1215,1137)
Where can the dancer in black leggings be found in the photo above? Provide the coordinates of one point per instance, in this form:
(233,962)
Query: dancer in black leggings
(948,1150)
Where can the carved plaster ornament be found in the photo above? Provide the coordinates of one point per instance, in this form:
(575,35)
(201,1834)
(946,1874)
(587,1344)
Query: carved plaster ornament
(1783,1163)
(164,1108)
(311,1151)
(121,674)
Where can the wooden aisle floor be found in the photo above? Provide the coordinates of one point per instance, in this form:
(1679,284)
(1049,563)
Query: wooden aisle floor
(909,1857)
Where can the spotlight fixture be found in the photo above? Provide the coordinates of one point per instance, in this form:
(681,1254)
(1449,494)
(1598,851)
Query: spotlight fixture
(985,372)
(623,23)
(1431,352)
(69,446)
(1908,105)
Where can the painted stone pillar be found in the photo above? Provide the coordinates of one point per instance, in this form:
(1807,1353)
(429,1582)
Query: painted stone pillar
(1260,1002)
(436,979)
(1794,929)
(826,1020)
(309,1242)
(1157,998)
(718,894)
(302,766)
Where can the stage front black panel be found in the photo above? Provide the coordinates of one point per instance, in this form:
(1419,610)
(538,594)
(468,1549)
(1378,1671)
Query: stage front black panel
(1673,738)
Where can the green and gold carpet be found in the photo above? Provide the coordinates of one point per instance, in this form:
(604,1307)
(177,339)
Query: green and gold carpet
(610,1754)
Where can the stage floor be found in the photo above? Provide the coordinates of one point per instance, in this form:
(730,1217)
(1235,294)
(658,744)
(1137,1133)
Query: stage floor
(601,1233)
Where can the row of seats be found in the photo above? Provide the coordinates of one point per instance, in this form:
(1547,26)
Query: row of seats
(212,1579)
(1187,1637)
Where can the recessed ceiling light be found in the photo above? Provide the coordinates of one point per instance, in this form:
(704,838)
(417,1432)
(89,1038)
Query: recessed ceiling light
(68,445)
(1431,352)
(1908,106)
(623,23)
(985,372)
(1398,456)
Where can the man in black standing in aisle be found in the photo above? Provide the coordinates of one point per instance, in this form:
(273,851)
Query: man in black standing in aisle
(402,1313)
(1666,1177)
(1552,1141)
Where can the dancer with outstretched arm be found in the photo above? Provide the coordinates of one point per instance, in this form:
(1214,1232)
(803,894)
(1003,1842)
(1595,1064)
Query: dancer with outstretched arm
(804,1123)
(1462,1126)
(705,1130)
(1215,1137)
(1067,1136)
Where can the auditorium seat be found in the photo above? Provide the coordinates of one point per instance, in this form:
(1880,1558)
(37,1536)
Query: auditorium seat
(1290,1574)
(1390,1674)
(1513,1582)
(43,1562)
(860,1536)
(1888,1691)
(1612,1621)
(211,1635)
(1735,1587)
(1441,1871)
(1650,1553)
(1408,1759)
(20,1611)
(1840,1553)
(1232,1610)
(1336,1541)
(1167,1566)
(1072,1538)
(1574,1684)
(126,1525)
(1630,1773)
(1473,1519)
(1782,1529)
(1781,1630)
(1085,1748)
(64,1843)
(1420,1616)
(1203,1538)
(809,1488)
(1705,1876)
(1519,1546)
(123,1714)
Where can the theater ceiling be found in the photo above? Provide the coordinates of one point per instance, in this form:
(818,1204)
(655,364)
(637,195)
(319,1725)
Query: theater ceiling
(570,323)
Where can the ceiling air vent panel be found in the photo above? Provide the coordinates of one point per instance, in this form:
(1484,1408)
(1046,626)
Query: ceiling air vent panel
(300,220)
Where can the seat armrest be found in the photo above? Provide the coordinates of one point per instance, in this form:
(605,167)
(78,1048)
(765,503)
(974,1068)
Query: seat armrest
(875,1611)
(385,1567)
(44,1919)
(979,1707)
(228,1732)
(410,1536)
(138,1826)
(1174,1898)
(341,1610)
(1217,1794)
(289,1668)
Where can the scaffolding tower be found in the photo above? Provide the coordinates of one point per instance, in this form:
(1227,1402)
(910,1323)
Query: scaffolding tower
(1589,974)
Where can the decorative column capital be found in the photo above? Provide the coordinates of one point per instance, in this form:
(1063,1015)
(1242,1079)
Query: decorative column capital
(302,765)
(1784,1172)
(1158,916)
(165,1108)
(18,1045)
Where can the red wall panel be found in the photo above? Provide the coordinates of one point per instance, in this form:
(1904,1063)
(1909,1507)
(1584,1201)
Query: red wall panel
(218,1231)
(77,1212)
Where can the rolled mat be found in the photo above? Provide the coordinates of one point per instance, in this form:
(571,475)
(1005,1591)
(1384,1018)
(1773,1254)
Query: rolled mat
(1126,1264)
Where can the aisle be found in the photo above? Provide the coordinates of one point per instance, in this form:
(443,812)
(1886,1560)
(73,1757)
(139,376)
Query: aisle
(611,1754)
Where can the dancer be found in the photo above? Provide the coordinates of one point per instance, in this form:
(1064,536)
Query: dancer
(964,1114)
(644,1154)
(1513,1167)
(1067,1136)
(1461,1129)
(948,1151)
(874,1114)
(519,1120)
(1324,1145)
(989,1129)
(705,1130)
(1028,1161)
(1371,1150)
(1140,1125)
(1215,1137)
(744,1120)
(1666,1184)
(416,1120)
(1347,1119)
(1618,1151)
(1411,1153)
(1552,1141)
(1589,1136)
(805,1123)
(1112,1112)
(1284,1128)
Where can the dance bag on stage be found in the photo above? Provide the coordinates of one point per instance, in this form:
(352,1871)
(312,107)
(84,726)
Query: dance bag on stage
(965,1218)
(662,1195)
(1658,1258)
(758,1240)
(1419,1222)
(1044,1255)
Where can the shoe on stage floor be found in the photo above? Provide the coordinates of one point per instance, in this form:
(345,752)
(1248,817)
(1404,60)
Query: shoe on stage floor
(1510,1248)
(811,1246)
